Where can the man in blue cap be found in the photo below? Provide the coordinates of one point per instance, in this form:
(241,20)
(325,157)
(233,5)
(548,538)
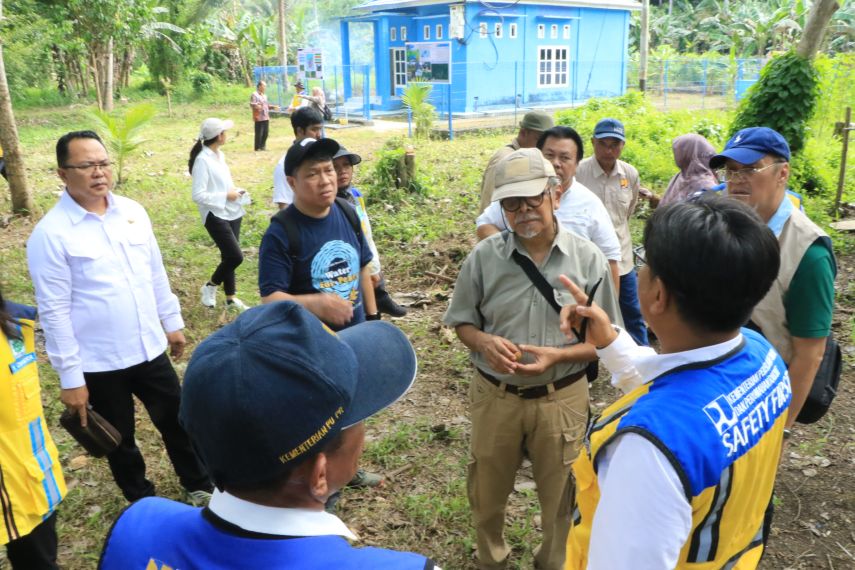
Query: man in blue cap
(615,182)
(795,316)
(275,403)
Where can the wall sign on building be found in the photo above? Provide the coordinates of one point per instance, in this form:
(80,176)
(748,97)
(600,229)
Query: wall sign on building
(429,62)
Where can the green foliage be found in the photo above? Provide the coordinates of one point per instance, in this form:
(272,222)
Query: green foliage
(415,98)
(122,134)
(388,175)
(783,99)
(202,82)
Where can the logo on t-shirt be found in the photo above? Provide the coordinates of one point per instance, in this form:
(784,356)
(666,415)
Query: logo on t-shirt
(335,269)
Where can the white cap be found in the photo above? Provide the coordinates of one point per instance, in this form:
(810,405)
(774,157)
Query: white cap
(212,127)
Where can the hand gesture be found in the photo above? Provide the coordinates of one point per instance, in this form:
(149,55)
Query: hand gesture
(334,310)
(544,358)
(501,354)
(600,332)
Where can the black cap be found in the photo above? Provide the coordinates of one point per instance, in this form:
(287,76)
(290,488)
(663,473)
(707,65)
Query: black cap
(354,158)
(306,149)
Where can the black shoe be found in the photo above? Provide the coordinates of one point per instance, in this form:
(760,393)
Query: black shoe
(385,304)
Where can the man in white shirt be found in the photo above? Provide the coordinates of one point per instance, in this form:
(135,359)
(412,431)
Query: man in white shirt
(279,451)
(577,209)
(307,123)
(108,313)
(679,471)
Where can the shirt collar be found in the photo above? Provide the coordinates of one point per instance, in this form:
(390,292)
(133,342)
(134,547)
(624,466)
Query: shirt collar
(276,520)
(76,212)
(598,170)
(654,365)
(780,217)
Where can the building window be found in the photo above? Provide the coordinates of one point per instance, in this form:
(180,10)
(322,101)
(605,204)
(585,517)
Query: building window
(512,31)
(426,32)
(439,31)
(399,68)
(566,34)
(497,29)
(541,31)
(482,29)
(552,66)
(393,33)
(403,33)
(553,32)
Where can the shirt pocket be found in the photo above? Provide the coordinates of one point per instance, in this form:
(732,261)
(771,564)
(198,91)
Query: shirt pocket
(27,394)
(138,251)
(89,263)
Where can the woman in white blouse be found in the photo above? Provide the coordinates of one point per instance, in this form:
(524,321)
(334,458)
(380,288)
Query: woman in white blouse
(220,204)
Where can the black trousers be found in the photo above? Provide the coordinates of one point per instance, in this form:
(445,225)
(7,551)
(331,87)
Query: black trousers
(37,550)
(262,129)
(226,234)
(155,383)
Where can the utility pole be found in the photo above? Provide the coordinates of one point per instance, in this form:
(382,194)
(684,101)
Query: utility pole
(843,129)
(283,50)
(644,47)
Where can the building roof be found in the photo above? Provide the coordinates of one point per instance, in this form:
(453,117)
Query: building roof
(374,5)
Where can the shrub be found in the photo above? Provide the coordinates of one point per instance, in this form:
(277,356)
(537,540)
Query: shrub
(202,82)
(415,97)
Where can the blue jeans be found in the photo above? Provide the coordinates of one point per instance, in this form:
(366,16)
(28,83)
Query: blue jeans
(630,310)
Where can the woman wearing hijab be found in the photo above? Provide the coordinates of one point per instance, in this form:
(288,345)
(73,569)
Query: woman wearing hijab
(692,154)
(220,204)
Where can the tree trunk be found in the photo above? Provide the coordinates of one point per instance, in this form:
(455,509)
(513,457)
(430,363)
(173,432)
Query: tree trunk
(107,95)
(22,199)
(93,63)
(283,51)
(61,72)
(820,15)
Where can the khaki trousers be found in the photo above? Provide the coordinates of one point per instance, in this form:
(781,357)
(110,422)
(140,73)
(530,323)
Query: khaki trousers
(504,428)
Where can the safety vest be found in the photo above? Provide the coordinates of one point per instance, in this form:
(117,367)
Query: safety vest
(159,534)
(721,425)
(31,482)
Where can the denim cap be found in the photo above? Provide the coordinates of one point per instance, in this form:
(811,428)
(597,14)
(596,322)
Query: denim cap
(269,390)
(537,121)
(609,128)
(523,173)
(306,149)
(750,145)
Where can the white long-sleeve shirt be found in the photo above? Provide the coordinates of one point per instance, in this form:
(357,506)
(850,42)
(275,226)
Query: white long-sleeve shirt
(579,211)
(103,295)
(212,181)
(282,192)
(643,518)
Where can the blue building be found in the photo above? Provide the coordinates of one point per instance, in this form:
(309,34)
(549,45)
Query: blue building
(482,55)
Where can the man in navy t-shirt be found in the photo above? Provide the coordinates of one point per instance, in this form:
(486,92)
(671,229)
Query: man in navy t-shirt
(327,271)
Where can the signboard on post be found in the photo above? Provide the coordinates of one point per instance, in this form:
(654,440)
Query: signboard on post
(310,64)
(429,62)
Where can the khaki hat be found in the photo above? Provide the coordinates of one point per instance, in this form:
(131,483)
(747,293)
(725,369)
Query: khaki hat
(536,121)
(521,174)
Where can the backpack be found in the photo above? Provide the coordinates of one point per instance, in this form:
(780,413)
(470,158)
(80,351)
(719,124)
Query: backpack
(286,219)
(326,112)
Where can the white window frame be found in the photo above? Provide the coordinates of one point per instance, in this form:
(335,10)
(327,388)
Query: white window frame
(498,30)
(566,32)
(541,31)
(439,31)
(403,33)
(553,32)
(512,30)
(393,34)
(553,71)
(482,30)
(426,32)
(399,68)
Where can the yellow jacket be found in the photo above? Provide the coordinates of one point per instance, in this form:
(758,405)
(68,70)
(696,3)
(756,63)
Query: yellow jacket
(31,482)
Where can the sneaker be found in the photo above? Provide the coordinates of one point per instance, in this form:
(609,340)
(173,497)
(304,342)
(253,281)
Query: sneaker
(385,304)
(209,295)
(198,498)
(236,305)
(365,479)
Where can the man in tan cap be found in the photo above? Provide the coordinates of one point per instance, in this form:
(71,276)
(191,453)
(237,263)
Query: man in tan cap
(531,127)
(528,396)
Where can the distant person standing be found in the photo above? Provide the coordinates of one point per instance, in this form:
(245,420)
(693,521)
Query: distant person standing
(307,123)
(692,154)
(220,204)
(299,99)
(260,115)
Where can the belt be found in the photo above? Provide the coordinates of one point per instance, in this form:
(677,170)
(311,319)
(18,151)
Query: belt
(532,392)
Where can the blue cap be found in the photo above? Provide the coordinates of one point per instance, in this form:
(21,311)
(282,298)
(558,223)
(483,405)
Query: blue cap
(609,128)
(750,145)
(269,390)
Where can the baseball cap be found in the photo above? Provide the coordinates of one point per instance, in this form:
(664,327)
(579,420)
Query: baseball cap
(306,149)
(522,173)
(536,121)
(269,390)
(354,158)
(609,128)
(749,145)
(212,127)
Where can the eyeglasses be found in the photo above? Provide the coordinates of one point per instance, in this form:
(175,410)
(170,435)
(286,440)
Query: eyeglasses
(514,204)
(90,168)
(743,173)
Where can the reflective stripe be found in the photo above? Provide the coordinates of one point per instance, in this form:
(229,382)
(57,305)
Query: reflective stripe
(755,542)
(37,441)
(6,503)
(705,538)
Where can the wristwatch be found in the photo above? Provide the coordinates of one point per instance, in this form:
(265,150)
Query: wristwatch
(374,317)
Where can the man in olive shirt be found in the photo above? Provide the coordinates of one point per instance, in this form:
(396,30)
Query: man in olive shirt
(531,127)
(616,183)
(795,316)
(528,396)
